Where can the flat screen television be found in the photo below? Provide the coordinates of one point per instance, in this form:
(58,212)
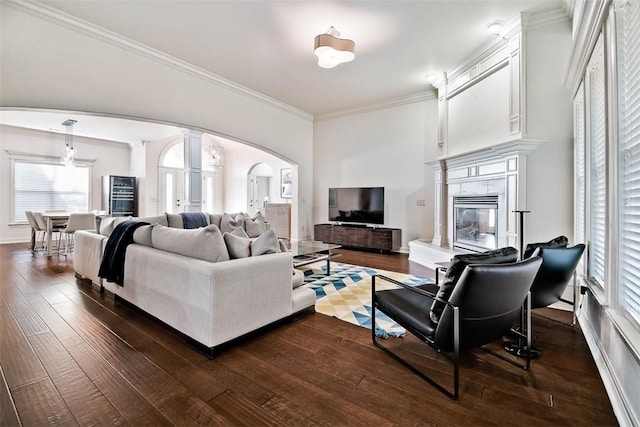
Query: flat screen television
(363,205)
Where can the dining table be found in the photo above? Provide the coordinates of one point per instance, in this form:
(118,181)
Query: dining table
(52,218)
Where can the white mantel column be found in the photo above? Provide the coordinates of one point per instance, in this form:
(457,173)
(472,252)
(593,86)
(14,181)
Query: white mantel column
(440,235)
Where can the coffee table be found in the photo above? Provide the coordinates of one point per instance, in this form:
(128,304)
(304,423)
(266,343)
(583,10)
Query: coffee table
(308,252)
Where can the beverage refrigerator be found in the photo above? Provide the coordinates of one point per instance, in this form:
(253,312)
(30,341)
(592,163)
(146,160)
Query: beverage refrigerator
(119,195)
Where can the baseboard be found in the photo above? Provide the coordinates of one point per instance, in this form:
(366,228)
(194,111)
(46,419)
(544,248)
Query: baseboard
(8,241)
(611,385)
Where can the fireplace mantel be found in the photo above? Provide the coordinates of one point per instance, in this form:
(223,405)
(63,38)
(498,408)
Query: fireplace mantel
(499,169)
(495,152)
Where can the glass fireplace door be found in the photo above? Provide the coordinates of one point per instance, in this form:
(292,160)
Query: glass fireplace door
(476,223)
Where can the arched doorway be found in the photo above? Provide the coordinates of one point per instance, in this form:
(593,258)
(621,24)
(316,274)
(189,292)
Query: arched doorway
(258,184)
(171,182)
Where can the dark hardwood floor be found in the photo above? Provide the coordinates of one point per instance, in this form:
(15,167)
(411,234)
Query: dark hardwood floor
(70,355)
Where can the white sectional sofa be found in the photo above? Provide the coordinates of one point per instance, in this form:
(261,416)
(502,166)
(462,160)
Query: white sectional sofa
(210,302)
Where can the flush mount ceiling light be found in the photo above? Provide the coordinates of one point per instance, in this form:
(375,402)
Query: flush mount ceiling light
(495,27)
(332,50)
(69,154)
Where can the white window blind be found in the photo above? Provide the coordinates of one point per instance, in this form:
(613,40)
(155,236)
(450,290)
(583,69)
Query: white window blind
(41,186)
(597,165)
(629,152)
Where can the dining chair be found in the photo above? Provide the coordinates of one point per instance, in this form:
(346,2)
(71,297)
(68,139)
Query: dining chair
(42,224)
(77,221)
(35,229)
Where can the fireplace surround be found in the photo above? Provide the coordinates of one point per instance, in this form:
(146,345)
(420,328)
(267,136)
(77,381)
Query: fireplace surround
(499,171)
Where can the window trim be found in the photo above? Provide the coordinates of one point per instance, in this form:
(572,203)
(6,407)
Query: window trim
(41,159)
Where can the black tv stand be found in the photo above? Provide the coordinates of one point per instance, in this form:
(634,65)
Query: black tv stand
(359,236)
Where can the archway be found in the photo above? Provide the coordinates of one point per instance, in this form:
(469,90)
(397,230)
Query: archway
(258,185)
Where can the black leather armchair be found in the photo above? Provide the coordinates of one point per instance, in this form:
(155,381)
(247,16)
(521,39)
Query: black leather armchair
(556,272)
(482,307)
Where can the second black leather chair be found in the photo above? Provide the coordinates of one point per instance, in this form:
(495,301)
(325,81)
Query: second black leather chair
(556,272)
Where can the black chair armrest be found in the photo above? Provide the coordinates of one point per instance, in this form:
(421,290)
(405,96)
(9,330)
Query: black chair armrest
(422,292)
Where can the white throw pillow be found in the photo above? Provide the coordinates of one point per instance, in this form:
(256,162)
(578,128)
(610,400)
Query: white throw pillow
(204,243)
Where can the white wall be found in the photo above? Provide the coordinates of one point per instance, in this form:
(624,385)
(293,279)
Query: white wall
(478,117)
(38,69)
(549,117)
(387,147)
(111,158)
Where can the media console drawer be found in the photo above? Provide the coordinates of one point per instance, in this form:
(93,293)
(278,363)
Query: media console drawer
(384,239)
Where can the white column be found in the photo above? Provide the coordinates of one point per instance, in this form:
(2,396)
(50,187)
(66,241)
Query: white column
(193,172)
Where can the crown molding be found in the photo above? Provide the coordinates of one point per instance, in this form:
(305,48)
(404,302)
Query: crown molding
(84,27)
(381,105)
(535,19)
(589,27)
(526,21)
(60,136)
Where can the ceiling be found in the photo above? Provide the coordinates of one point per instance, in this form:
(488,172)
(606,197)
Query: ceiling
(267,45)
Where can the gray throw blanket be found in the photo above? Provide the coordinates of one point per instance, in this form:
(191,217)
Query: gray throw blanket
(194,219)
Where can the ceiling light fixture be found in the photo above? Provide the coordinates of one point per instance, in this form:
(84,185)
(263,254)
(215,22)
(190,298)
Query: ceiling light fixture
(69,154)
(332,50)
(495,27)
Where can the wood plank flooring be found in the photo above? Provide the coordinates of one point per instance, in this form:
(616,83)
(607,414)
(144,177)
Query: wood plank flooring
(72,356)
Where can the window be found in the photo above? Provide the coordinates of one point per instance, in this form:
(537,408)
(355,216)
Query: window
(597,183)
(579,153)
(46,185)
(629,160)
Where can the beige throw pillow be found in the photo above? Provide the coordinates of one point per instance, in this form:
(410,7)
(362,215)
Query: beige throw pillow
(204,243)
(237,246)
(229,223)
(142,235)
(255,226)
(266,243)
(109,223)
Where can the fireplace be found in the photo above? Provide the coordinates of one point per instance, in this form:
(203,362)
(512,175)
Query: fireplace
(475,220)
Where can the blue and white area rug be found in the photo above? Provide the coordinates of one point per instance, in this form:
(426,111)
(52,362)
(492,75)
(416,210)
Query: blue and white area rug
(346,294)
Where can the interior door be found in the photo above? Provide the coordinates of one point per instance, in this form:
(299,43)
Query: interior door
(258,193)
(208,204)
(171,190)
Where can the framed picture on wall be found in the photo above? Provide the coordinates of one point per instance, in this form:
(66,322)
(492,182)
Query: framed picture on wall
(286,177)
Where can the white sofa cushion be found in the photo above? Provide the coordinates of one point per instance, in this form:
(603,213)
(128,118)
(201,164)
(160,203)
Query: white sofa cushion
(204,243)
(160,219)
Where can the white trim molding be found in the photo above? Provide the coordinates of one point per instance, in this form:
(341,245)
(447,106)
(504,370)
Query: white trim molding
(389,103)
